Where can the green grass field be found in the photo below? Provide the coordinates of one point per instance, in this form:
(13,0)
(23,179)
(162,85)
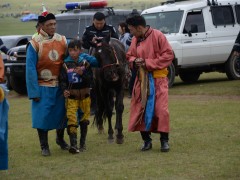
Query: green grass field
(204,141)
(54,6)
(11,24)
(204,136)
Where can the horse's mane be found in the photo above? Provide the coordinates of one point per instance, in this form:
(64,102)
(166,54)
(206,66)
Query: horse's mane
(120,50)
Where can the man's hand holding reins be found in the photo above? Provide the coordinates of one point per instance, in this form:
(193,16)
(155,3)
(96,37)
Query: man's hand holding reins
(66,93)
(235,53)
(139,62)
(79,70)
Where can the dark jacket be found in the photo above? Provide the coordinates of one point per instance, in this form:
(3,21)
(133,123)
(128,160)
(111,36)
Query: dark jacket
(91,31)
(236,46)
(83,81)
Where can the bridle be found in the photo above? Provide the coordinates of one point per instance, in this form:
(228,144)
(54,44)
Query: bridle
(112,64)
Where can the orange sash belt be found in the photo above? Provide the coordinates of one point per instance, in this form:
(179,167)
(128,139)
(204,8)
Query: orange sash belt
(160,73)
(1,69)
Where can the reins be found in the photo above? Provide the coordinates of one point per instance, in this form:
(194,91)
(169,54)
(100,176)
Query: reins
(113,64)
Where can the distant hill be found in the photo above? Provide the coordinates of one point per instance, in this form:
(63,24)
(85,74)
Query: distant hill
(14,8)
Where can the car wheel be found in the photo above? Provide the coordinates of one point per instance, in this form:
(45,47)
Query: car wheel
(189,77)
(18,84)
(171,75)
(233,68)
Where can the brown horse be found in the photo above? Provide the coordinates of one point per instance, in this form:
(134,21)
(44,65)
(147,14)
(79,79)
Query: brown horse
(109,82)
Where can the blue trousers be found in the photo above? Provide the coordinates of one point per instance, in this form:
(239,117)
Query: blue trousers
(4,107)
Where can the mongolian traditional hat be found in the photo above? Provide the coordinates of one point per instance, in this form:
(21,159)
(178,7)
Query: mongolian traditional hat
(45,16)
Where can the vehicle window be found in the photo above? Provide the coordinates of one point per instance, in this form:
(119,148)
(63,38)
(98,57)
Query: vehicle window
(194,23)
(237,10)
(22,42)
(73,28)
(166,22)
(114,20)
(222,15)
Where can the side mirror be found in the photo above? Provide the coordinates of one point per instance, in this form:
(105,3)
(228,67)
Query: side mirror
(189,33)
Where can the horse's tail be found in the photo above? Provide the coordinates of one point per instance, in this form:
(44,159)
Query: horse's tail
(105,111)
(99,120)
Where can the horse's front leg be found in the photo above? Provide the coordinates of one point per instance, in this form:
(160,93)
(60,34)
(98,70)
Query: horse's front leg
(109,116)
(99,109)
(119,111)
(99,119)
(110,130)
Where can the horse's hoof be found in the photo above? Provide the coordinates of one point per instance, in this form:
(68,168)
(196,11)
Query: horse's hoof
(119,141)
(110,140)
(101,131)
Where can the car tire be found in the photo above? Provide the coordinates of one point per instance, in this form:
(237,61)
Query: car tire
(189,77)
(171,75)
(18,84)
(233,68)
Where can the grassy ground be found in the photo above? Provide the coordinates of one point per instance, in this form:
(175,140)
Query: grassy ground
(204,136)
(204,141)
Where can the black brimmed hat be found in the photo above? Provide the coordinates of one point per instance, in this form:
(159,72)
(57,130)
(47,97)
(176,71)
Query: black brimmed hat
(45,16)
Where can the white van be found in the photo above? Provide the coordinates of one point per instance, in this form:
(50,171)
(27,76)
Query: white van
(202,34)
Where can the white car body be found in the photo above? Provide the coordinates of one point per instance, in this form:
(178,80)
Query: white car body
(213,45)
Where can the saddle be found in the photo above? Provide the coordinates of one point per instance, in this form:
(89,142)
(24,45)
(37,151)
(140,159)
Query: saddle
(79,94)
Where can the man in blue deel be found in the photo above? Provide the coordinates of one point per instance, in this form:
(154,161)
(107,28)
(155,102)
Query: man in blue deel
(3,120)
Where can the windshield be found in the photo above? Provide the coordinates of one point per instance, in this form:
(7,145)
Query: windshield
(166,22)
(73,28)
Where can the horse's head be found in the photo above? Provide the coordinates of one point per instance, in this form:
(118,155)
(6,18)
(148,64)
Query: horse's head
(108,60)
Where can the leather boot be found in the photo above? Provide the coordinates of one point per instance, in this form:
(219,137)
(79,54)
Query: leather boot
(73,141)
(43,138)
(59,139)
(164,142)
(147,145)
(83,132)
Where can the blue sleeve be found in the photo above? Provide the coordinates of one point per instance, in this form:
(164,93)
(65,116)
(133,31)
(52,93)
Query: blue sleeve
(4,49)
(129,40)
(91,59)
(31,73)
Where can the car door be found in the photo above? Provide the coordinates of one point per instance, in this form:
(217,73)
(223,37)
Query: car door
(195,46)
(224,32)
